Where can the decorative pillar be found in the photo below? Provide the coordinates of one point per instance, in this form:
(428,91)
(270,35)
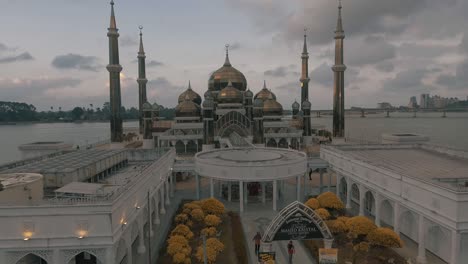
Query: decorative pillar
(421,259)
(338,185)
(173,183)
(329,181)
(220,188)
(362,197)
(455,247)
(321,180)
(129,253)
(263,193)
(377,209)
(163,210)
(211,188)
(110,256)
(168,202)
(275,194)
(55,256)
(229,192)
(304,180)
(141,240)
(348,193)
(396,218)
(298,188)
(156,220)
(246,195)
(197,185)
(241,196)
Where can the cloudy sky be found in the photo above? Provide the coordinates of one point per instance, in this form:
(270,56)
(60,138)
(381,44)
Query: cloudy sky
(54,52)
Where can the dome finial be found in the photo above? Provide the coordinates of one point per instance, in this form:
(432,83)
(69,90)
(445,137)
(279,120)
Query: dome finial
(304,49)
(113,24)
(189,85)
(142,50)
(226,61)
(264,84)
(339,24)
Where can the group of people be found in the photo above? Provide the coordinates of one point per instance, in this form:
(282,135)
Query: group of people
(258,240)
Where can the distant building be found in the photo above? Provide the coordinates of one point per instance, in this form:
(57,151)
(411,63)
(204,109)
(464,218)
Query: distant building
(384,105)
(436,101)
(424,100)
(413,103)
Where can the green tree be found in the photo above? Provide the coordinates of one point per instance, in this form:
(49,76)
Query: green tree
(77,113)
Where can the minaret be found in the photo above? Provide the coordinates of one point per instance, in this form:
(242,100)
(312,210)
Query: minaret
(114,69)
(338,69)
(305,71)
(142,81)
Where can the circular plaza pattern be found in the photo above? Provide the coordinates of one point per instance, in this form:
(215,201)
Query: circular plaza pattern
(250,164)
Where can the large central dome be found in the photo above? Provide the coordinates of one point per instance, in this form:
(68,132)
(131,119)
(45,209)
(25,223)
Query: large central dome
(221,77)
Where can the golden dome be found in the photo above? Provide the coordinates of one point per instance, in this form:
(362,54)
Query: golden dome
(221,77)
(272,107)
(264,93)
(229,95)
(193,96)
(187,108)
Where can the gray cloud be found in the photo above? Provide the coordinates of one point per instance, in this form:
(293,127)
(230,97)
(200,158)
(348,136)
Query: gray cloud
(281,71)
(407,81)
(77,62)
(235,46)
(127,41)
(154,63)
(19,89)
(25,56)
(385,66)
(322,75)
(464,43)
(3,47)
(422,50)
(459,80)
(368,50)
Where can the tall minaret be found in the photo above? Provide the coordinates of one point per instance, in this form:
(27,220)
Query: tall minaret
(305,71)
(338,90)
(141,80)
(114,69)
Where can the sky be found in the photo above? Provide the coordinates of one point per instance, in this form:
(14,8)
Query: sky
(53,53)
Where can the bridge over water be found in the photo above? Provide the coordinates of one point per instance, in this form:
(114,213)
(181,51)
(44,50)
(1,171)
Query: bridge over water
(364,111)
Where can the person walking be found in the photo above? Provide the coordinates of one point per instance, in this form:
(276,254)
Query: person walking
(257,238)
(291,251)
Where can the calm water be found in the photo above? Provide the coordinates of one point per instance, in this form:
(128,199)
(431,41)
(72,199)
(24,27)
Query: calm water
(450,131)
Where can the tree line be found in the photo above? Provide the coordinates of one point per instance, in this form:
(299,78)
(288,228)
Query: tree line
(23,112)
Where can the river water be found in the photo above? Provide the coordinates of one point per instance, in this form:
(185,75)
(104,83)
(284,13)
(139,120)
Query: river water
(450,131)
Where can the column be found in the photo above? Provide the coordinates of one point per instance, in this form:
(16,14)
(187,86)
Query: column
(329,181)
(141,240)
(421,239)
(241,196)
(298,188)
(304,180)
(377,209)
(129,254)
(110,256)
(173,184)
(197,185)
(321,180)
(55,256)
(156,219)
(455,247)
(275,194)
(163,210)
(168,202)
(337,185)
(396,218)
(348,193)
(220,188)
(246,195)
(229,192)
(263,193)
(211,188)
(362,197)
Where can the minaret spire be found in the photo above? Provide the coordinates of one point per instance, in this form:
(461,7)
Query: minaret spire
(338,89)
(114,69)
(305,84)
(304,49)
(226,61)
(142,81)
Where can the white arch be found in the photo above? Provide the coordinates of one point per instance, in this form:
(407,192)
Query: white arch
(409,225)
(98,261)
(291,209)
(36,254)
(386,213)
(343,191)
(369,203)
(437,240)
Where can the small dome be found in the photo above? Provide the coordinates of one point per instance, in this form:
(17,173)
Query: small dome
(187,108)
(306,104)
(220,78)
(258,103)
(248,94)
(264,93)
(229,95)
(146,106)
(208,103)
(156,107)
(208,94)
(295,105)
(193,96)
(272,107)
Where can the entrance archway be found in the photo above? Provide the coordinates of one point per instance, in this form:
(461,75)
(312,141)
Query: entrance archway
(84,258)
(31,259)
(369,204)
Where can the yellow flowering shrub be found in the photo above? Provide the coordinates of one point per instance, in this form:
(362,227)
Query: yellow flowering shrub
(181,218)
(323,213)
(178,244)
(215,244)
(209,231)
(212,220)
(313,203)
(359,226)
(179,258)
(384,237)
(336,226)
(182,230)
(211,255)
(329,200)
(270,261)
(212,206)
(197,215)
(189,223)
(188,207)
(361,247)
